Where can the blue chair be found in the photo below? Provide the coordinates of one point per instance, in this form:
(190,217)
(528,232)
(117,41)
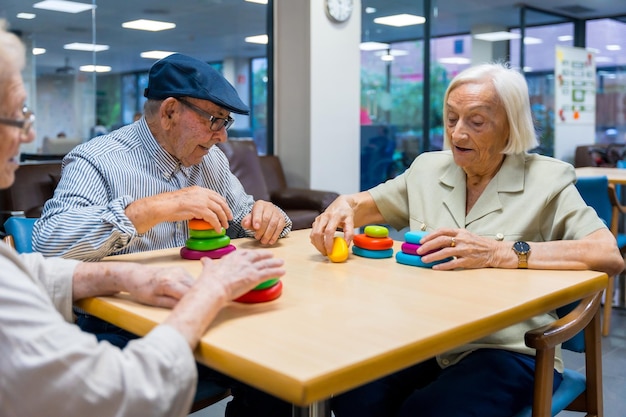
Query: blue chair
(602,196)
(578,330)
(19,233)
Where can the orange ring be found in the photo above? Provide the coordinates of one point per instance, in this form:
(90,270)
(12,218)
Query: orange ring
(199,224)
(373,243)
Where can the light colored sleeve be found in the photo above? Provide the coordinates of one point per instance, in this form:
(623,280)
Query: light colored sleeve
(49,367)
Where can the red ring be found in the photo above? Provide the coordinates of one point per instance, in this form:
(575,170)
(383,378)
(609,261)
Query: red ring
(261,296)
(187,253)
(372,243)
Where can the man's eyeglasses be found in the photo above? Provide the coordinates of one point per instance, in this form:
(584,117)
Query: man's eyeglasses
(217,123)
(25,124)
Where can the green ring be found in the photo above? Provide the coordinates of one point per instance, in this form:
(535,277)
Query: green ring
(208,244)
(206,234)
(376,231)
(266,284)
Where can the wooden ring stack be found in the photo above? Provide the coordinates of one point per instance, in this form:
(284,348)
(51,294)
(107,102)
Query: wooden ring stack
(408,254)
(204,241)
(375,243)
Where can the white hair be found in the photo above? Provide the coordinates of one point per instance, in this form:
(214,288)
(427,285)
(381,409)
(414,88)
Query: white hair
(512,91)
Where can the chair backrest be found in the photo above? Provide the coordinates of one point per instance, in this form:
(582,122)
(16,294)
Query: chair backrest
(21,231)
(594,190)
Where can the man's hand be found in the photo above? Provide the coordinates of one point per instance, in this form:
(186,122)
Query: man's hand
(187,203)
(266,220)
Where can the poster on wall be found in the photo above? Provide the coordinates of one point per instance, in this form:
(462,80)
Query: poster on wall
(575,100)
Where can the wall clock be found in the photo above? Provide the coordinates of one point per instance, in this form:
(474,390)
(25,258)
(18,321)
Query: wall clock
(339,10)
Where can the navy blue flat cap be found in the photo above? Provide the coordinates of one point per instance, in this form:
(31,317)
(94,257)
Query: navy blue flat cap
(179,75)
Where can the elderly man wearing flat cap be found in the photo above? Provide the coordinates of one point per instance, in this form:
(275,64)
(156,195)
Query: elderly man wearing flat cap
(135,188)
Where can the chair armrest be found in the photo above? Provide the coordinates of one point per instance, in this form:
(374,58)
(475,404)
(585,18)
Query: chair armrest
(565,328)
(303,198)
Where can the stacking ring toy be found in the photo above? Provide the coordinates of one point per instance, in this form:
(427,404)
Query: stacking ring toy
(266,284)
(414,236)
(374,254)
(206,234)
(416,260)
(199,224)
(208,244)
(340,250)
(194,255)
(376,231)
(262,296)
(373,243)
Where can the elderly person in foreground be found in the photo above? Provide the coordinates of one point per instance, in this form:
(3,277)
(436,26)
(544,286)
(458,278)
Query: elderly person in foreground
(50,367)
(485,202)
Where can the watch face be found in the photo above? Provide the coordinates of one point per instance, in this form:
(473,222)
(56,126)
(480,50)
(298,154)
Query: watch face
(339,10)
(521,247)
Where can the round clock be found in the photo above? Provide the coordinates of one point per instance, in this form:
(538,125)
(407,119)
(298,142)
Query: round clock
(339,10)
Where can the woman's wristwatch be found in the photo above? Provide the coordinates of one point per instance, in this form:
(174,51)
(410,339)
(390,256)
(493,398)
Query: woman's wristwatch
(522,250)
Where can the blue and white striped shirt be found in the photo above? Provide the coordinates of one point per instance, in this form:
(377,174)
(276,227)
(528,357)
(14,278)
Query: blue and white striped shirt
(85,219)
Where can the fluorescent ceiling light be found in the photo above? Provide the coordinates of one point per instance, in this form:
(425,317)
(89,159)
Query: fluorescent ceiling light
(257,1)
(458,60)
(370,10)
(387,58)
(565,38)
(26,16)
(400,20)
(613,48)
(149,25)
(528,69)
(155,54)
(393,52)
(39,51)
(95,68)
(594,50)
(89,47)
(604,59)
(529,40)
(63,6)
(373,46)
(497,36)
(260,39)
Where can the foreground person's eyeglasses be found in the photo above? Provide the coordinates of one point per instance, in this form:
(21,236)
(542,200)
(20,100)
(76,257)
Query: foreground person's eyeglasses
(216,122)
(25,124)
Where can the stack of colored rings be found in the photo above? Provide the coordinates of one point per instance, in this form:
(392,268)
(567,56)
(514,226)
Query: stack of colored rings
(204,241)
(266,291)
(374,243)
(408,254)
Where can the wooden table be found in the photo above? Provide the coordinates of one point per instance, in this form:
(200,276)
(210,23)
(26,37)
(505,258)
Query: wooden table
(338,326)
(615,175)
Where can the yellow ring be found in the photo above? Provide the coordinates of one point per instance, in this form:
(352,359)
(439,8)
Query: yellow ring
(453,242)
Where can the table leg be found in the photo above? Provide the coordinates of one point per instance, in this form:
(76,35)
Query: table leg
(318,409)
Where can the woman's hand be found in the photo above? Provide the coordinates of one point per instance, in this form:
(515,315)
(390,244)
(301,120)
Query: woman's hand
(340,214)
(466,249)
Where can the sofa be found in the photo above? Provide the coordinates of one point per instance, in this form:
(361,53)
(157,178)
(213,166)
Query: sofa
(599,155)
(261,176)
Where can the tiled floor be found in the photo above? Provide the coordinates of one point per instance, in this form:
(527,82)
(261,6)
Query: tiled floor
(614,370)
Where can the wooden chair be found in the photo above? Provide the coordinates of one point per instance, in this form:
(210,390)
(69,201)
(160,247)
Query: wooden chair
(19,236)
(579,331)
(599,194)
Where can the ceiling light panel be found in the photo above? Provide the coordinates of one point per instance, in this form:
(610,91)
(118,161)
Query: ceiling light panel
(497,36)
(149,25)
(63,6)
(260,39)
(26,16)
(155,54)
(89,47)
(400,20)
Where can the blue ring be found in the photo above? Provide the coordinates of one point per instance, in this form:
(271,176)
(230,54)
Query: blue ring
(416,260)
(414,236)
(374,254)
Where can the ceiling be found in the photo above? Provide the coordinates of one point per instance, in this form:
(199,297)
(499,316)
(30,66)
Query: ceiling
(215,29)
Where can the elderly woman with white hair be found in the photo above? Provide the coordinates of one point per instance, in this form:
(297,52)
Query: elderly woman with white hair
(485,202)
